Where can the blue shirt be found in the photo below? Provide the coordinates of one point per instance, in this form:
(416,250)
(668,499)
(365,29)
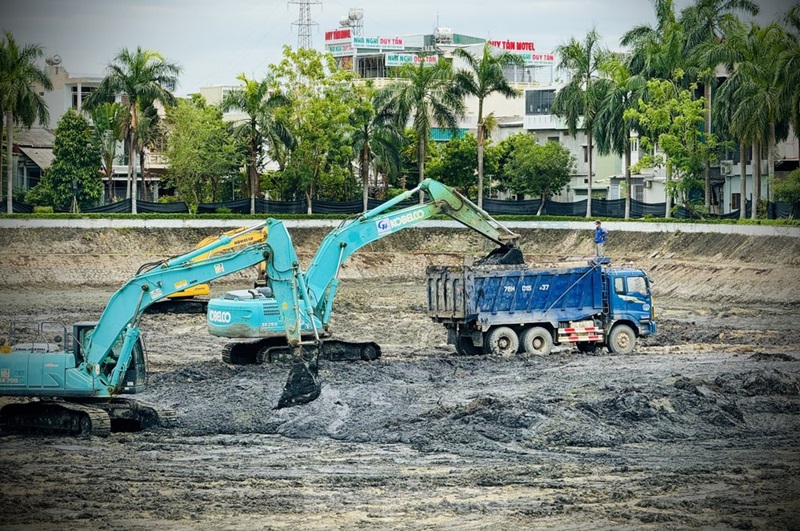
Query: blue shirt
(600,235)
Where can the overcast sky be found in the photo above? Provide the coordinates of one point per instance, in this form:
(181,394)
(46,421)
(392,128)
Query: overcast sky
(215,40)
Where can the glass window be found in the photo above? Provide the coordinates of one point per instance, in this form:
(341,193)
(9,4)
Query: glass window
(619,285)
(637,285)
(539,101)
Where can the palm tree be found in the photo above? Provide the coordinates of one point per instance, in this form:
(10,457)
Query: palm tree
(109,128)
(751,95)
(376,136)
(141,76)
(613,128)
(705,22)
(427,95)
(579,100)
(788,66)
(21,103)
(658,51)
(259,103)
(484,78)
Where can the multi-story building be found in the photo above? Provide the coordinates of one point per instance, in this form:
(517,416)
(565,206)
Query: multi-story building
(33,149)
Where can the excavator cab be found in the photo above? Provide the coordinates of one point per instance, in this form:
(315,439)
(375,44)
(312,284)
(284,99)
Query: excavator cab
(135,379)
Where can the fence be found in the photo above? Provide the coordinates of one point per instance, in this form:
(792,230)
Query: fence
(602,208)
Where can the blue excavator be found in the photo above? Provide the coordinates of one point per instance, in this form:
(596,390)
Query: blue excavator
(76,382)
(260,321)
(72,382)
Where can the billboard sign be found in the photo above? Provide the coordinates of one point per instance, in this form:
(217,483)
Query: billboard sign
(513,46)
(339,50)
(382,43)
(338,36)
(538,59)
(399,59)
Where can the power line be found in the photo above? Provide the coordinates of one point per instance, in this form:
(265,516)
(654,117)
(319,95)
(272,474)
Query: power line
(304,22)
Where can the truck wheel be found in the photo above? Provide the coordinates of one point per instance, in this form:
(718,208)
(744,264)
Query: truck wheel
(586,346)
(621,340)
(465,347)
(501,341)
(537,341)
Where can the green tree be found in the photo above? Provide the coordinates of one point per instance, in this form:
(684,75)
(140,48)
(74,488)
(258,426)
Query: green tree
(20,101)
(657,52)
(538,170)
(456,164)
(577,102)
(319,118)
(74,173)
(109,128)
(789,66)
(427,95)
(672,116)
(705,22)
(788,188)
(484,78)
(261,127)
(376,137)
(751,96)
(201,151)
(144,76)
(613,129)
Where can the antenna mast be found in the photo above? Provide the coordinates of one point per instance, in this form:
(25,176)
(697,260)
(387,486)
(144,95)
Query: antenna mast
(304,22)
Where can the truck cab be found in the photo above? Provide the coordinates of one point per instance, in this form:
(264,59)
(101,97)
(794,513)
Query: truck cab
(630,300)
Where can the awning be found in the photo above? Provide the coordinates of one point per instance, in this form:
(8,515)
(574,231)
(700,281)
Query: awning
(42,157)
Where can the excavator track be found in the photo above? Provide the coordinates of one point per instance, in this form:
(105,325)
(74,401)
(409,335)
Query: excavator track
(332,350)
(88,418)
(55,417)
(128,415)
(275,350)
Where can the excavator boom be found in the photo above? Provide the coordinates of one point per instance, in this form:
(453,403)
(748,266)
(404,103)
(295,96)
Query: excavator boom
(304,300)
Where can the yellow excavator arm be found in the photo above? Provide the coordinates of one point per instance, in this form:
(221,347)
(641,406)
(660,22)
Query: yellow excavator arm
(237,242)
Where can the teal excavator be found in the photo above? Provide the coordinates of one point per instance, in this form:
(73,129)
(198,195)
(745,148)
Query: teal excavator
(258,318)
(75,382)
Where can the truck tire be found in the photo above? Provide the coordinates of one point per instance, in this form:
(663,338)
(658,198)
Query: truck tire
(622,339)
(586,347)
(465,347)
(537,341)
(501,341)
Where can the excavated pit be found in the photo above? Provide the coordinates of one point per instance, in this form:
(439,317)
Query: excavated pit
(699,428)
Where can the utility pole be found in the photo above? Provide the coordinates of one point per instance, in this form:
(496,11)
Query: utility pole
(304,22)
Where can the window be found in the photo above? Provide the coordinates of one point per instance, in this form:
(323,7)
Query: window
(619,285)
(553,139)
(736,201)
(85,93)
(539,101)
(637,285)
(585,153)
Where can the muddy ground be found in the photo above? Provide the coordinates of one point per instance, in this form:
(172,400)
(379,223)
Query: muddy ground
(700,428)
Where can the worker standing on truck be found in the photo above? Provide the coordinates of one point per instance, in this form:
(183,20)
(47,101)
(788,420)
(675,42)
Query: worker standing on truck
(599,237)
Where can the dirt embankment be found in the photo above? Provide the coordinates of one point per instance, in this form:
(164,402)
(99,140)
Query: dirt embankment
(714,267)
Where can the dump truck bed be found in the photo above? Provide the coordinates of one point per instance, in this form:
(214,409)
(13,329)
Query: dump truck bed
(513,294)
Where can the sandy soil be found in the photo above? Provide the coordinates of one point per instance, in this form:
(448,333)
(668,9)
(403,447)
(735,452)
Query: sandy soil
(698,429)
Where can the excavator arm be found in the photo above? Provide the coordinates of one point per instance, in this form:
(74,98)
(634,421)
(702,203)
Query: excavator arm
(352,235)
(101,355)
(311,294)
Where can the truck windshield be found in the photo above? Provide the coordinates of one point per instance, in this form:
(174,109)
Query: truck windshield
(637,285)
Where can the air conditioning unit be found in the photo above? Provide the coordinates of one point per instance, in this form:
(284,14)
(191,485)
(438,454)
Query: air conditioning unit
(725,167)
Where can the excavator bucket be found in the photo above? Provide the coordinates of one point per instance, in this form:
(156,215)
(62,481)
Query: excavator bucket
(503,255)
(302,386)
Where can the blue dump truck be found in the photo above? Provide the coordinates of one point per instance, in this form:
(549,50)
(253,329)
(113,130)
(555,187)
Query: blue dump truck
(501,309)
